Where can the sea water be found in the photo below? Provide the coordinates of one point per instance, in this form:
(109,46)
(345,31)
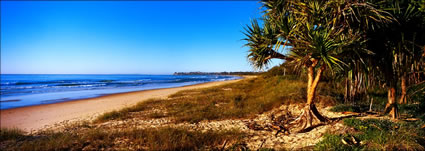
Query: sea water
(19,90)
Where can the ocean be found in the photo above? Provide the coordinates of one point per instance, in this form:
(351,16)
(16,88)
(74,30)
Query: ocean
(19,90)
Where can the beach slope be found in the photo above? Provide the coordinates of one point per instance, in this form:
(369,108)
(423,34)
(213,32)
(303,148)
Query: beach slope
(34,118)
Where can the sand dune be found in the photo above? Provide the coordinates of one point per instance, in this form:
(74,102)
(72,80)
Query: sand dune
(34,118)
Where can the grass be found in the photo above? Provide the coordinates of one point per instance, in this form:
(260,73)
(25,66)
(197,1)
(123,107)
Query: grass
(112,115)
(377,135)
(124,113)
(333,142)
(165,138)
(10,134)
(237,100)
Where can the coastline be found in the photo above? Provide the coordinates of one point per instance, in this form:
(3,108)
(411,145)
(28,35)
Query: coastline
(34,118)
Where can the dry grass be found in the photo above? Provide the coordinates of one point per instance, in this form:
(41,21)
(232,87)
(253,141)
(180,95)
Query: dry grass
(165,138)
(10,134)
(238,100)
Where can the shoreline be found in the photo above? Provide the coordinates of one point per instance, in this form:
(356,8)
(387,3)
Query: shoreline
(37,117)
(57,101)
(17,97)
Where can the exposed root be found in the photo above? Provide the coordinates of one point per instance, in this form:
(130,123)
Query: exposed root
(308,118)
(280,123)
(392,109)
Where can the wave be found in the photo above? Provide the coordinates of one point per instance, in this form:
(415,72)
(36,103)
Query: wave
(16,100)
(46,84)
(107,81)
(64,82)
(40,82)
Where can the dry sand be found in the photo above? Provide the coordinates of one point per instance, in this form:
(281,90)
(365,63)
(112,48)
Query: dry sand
(34,118)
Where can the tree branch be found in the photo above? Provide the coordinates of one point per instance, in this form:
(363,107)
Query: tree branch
(318,75)
(276,55)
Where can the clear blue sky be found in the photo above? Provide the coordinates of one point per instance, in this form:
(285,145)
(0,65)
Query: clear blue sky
(142,37)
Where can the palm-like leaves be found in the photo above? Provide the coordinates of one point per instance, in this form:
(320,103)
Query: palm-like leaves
(324,44)
(400,50)
(261,40)
(320,30)
(399,54)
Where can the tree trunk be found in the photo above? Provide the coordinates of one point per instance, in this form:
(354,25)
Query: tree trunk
(355,88)
(310,112)
(347,91)
(391,80)
(311,90)
(391,106)
(403,99)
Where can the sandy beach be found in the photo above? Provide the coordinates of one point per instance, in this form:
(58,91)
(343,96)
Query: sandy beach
(34,118)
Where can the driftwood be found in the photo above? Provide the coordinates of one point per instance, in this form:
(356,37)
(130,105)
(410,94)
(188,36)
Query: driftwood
(224,145)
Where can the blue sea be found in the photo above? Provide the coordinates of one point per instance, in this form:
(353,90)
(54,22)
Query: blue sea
(19,90)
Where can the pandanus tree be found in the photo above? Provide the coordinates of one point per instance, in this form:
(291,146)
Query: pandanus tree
(315,36)
(398,47)
(409,42)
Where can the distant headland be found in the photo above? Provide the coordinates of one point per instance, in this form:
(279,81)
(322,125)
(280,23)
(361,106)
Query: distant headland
(217,73)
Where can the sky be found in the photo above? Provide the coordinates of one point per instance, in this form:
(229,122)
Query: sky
(132,37)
